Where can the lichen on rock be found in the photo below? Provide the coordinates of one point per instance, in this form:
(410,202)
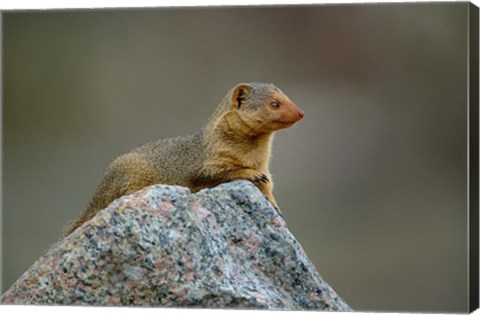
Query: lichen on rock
(224,247)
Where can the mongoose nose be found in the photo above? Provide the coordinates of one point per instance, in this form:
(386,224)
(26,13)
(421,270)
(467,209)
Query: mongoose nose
(301,114)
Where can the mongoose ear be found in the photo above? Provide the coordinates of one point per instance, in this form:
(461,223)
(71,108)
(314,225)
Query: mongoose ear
(239,94)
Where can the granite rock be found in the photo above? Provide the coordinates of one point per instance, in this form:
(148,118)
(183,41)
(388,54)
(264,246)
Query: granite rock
(224,247)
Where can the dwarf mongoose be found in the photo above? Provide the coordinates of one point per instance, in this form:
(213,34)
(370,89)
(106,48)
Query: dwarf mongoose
(235,143)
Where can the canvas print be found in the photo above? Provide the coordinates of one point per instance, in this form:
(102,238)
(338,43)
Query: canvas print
(301,157)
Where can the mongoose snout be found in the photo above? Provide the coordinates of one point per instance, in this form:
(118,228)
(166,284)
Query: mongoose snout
(234,144)
(284,110)
(294,113)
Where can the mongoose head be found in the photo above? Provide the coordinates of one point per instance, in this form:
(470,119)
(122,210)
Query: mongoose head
(264,107)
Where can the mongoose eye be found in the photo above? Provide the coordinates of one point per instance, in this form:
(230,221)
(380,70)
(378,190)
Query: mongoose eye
(275,104)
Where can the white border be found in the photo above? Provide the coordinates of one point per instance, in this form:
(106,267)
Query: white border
(91,4)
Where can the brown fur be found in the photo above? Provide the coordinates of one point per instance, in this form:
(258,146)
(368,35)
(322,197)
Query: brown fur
(234,144)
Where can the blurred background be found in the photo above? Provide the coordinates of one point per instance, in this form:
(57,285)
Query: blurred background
(373,182)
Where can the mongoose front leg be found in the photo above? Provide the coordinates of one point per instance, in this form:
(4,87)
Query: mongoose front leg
(259,179)
(266,189)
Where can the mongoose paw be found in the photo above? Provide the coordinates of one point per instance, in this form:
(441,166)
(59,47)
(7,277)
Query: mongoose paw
(261,178)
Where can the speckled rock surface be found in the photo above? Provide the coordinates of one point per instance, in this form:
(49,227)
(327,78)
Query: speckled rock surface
(224,247)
